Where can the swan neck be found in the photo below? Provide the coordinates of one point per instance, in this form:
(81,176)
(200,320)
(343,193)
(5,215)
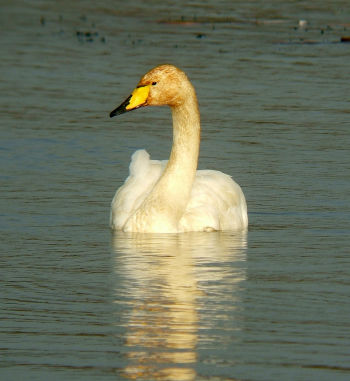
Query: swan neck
(179,174)
(166,204)
(186,135)
(175,186)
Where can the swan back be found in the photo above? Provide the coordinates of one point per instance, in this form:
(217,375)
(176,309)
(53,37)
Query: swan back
(216,203)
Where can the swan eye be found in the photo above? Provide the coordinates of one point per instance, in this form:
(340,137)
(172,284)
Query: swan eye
(154,83)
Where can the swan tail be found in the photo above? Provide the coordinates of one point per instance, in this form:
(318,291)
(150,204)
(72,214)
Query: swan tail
(143,174)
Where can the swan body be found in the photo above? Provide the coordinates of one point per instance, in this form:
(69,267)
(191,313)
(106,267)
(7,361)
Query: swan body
(173,196)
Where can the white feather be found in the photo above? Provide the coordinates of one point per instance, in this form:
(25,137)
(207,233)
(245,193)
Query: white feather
(216,201)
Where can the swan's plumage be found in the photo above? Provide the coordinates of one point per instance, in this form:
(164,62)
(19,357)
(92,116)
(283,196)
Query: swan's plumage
(172,196)
(143,174)
(216,201)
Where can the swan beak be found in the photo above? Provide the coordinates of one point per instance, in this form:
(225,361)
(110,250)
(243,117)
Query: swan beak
(138,98)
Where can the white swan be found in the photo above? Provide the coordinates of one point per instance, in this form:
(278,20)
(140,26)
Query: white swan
(173,197)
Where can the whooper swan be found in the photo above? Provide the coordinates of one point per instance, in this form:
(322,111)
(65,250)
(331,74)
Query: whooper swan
(173,197)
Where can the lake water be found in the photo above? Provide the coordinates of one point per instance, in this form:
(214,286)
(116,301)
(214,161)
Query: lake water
(79,303)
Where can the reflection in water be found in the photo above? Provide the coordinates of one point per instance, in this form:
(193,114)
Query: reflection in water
(162,276)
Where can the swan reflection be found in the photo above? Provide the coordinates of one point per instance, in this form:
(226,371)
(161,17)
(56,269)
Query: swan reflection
(164,279)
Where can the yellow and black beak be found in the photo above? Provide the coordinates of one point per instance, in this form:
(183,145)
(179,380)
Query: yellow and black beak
(138,98)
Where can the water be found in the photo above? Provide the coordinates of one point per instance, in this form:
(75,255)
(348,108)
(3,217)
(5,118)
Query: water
(78,303)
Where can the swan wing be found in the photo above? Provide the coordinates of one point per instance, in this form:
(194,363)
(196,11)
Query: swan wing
(216,203)
(143,174)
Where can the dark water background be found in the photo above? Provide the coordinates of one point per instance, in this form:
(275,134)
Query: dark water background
(78,303)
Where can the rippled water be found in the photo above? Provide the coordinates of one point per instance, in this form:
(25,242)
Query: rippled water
(78,303)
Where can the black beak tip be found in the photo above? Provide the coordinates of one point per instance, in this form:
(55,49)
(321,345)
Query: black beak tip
(121,109)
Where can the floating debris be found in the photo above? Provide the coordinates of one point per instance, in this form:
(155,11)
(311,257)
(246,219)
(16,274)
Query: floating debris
(200,20)
(302,23)
(345,39)
(88,36)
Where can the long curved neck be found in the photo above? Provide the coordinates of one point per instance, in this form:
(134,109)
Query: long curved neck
(173,189)
(186,138)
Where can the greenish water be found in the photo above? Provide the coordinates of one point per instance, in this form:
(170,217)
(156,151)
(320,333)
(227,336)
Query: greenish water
(78,303)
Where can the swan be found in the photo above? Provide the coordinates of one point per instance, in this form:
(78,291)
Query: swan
(173,196)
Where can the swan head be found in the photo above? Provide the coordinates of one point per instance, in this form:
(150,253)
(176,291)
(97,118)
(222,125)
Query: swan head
(162,85)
